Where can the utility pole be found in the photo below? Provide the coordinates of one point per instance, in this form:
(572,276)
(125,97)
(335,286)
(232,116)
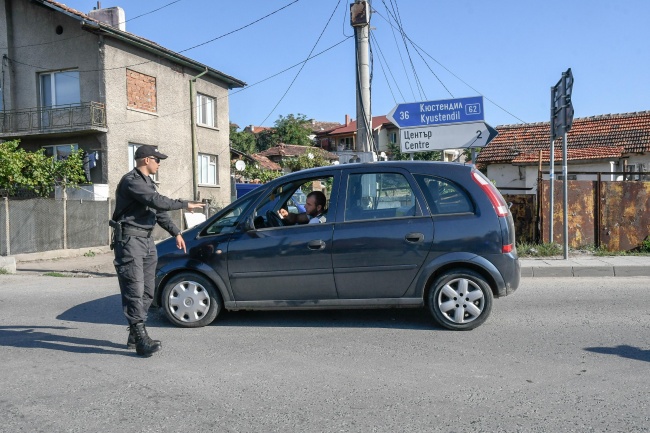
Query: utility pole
(360,20)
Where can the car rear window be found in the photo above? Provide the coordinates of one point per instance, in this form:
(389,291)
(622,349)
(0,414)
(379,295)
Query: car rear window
(444,196)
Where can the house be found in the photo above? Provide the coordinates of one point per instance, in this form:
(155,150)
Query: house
(343,139)
(613,143)
(72,80)
(277,153)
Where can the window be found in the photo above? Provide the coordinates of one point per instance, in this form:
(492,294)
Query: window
(379,195)
(205,110)
(443,196)
(208,169)
(60,88)
(393,137)
(346,143)
(132,148)
(60,151)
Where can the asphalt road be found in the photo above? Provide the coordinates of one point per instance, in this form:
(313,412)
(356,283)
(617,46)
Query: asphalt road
(561,354)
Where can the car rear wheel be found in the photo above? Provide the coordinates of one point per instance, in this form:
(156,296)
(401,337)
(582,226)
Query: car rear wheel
(460,300)
(190,300)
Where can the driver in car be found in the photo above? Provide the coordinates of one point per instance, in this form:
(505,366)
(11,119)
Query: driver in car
(314,210)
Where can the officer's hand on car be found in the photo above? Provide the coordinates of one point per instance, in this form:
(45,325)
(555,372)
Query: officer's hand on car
(191,206)
(180,243)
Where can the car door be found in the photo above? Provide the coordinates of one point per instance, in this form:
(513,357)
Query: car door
(381,237)
(286,263)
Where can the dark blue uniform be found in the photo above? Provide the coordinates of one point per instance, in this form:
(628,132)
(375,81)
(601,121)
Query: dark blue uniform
(139,208)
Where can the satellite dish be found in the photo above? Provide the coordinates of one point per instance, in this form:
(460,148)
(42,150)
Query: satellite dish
(240,165)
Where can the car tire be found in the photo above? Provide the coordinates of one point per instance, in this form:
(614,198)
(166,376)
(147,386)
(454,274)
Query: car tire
(460,300)
(190,300)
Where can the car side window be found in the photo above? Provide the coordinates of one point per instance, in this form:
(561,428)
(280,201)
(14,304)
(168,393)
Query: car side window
(379,195)
(227,222)
(290,196)
(444,196)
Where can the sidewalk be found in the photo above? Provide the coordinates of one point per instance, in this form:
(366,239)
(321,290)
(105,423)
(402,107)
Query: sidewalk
(99,263)
(586,266)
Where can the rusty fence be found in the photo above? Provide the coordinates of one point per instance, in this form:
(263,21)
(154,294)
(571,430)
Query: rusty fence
(612,214)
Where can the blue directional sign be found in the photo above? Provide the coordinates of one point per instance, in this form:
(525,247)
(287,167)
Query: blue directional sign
(432,113)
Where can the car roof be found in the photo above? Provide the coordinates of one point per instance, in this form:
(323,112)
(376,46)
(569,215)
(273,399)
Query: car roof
(407,165)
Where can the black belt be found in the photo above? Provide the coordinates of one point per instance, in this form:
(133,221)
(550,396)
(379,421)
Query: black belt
(136,232)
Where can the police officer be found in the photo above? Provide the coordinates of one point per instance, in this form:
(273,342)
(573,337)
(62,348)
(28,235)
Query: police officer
(138,208)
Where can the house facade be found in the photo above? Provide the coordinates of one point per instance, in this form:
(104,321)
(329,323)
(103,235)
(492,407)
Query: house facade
(72,80)
(615,145)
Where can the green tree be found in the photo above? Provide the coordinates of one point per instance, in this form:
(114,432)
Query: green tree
(293,130)
(304,161)
(253,171)
(266,139)
(37,172)
(243,141)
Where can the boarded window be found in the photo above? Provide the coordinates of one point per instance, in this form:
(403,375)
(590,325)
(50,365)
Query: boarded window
(141,91)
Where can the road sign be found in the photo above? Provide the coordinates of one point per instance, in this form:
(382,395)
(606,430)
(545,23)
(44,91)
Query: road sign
(455,136)
(432,113)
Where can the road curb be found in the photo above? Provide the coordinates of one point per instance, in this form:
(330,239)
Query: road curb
(584,271)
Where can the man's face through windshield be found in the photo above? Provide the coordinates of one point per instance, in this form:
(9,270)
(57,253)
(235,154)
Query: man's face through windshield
(310,206)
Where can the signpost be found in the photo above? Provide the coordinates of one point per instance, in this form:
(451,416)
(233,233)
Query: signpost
(454,136)
(439,125)
(432,113)
(561,121)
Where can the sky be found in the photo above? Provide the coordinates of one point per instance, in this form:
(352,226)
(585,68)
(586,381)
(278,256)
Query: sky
(511,52)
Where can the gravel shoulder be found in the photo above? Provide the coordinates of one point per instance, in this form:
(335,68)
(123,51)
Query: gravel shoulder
(92,263)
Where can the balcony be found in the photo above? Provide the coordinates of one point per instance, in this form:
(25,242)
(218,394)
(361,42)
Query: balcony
(84,118)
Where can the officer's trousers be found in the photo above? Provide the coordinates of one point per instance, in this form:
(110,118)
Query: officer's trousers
(135,263)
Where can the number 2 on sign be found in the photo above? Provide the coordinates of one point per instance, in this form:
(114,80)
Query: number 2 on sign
(403,115)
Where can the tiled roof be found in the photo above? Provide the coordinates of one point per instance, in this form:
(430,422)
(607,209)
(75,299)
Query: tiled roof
(266,163)
(295,150)
(318,126)
(377,121)
(597,137)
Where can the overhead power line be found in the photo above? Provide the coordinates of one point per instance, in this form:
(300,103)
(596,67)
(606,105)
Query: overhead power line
(304,63)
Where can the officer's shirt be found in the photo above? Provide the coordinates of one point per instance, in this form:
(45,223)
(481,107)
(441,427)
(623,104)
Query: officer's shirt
(138,204)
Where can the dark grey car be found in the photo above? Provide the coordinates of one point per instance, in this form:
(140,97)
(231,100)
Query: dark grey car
(397,234)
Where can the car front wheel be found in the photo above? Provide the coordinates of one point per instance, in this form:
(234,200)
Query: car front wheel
(190,300)
(460,300)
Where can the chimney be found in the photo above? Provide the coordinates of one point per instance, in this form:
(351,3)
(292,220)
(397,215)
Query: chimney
(347,120)
(114,16)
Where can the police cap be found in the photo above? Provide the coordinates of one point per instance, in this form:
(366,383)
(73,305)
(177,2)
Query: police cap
(147,151)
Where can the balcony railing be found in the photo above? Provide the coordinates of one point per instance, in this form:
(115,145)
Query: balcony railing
(47,120)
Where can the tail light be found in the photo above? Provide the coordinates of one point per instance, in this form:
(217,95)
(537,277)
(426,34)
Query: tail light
(498,203)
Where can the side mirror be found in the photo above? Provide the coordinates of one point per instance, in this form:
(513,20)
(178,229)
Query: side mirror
(249,224)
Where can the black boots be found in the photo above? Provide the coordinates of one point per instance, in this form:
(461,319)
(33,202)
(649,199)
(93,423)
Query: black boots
(130,343)
(144,346)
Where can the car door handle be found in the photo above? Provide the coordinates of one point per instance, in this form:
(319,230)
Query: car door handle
(414,237)
(316,245)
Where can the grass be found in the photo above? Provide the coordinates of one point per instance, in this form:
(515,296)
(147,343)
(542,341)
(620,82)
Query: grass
(55,274)
(3,271)
(525,249)
(89,254)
